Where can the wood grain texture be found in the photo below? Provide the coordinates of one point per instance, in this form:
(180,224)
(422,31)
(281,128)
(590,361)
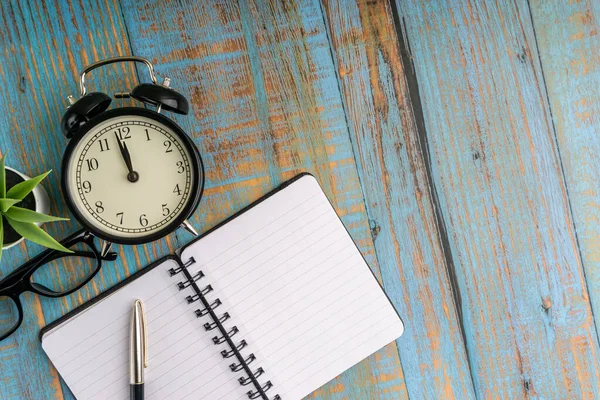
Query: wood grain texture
(43,45)
(528,321)
(399,201)
(266,106)
(569,50)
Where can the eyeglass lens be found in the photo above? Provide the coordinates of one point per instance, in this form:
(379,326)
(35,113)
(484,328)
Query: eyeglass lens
(9,315)
(67,272)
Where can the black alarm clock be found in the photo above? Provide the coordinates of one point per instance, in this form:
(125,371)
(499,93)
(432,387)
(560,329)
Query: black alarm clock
(130,175)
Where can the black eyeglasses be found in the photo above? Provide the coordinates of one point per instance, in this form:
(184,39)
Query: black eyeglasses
(38,275)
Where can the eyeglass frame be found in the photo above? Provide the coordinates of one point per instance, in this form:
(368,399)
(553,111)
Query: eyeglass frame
(19,281)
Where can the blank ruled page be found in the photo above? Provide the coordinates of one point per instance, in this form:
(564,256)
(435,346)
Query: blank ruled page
(91,350)
(297,288)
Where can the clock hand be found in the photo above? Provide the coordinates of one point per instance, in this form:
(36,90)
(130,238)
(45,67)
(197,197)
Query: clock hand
(132,176)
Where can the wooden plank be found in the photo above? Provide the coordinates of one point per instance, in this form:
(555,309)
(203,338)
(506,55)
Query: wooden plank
(528,321)
(567,39)
(266,106)
(43,45)
(400,205)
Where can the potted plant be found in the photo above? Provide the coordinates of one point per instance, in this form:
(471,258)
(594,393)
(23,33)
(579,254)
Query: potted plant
(23,207)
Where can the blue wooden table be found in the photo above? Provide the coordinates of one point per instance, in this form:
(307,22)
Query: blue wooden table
(458,140)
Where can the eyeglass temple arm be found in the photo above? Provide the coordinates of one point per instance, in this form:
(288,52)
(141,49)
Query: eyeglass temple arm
(110,256)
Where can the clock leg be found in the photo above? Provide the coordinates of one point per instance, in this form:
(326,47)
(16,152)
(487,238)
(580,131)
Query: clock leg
(188,227)
(105,248)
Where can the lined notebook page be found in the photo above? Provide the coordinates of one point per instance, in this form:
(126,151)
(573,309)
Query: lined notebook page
(91,350)
(297,288)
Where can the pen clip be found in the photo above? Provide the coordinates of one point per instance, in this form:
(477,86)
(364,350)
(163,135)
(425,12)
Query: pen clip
(144,335)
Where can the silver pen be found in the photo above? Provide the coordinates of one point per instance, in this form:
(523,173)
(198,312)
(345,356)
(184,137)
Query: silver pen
(138,358)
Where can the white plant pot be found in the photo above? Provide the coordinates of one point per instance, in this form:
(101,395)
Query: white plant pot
(42,203)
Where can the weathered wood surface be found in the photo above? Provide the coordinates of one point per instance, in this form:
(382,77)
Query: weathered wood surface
(436,128)
(569,49)
(528,321)
(396,185)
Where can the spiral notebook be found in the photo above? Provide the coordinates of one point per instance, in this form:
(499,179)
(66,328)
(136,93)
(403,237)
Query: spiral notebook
(271,304)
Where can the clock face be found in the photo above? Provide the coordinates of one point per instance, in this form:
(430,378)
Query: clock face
(131,178)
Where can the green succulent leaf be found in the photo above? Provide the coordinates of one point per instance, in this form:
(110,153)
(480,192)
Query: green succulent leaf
(2,178)
(5,204)
(20,190)
(34,233)
(26,215)
(1,235)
